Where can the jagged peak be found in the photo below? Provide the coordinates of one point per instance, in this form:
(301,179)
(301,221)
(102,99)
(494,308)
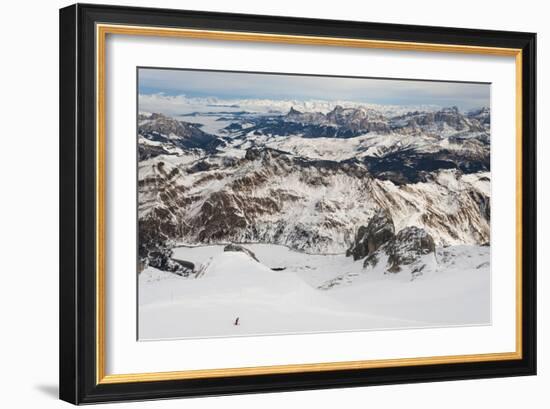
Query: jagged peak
(293,111)
(452,109)
(478,111)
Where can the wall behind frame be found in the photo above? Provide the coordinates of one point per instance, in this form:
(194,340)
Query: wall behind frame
(29,205)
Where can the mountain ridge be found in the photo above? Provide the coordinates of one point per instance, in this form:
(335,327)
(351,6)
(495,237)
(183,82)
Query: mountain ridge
(426,169)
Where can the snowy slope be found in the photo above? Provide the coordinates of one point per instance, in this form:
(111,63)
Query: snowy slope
(289,301)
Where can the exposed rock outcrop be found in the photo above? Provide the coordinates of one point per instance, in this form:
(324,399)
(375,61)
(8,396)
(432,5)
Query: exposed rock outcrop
(159,255)
(242,249)
(378,240)
(408,246)
(378,231)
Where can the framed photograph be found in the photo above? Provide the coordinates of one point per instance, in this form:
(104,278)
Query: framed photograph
(258,204)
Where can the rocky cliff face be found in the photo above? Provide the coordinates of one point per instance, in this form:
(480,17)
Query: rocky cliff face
(408,247)
(370,238)
(377,244)
(310,205)
(482,115)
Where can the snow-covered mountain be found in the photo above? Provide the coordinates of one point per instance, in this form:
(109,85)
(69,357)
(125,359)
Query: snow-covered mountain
(310,179)
(174,105)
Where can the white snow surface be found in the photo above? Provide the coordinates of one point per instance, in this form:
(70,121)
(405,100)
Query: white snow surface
(455,290)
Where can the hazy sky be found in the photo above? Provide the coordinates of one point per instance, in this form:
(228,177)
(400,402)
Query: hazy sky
(228,85)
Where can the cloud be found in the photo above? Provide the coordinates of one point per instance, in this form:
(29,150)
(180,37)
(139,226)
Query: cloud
(231,85)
